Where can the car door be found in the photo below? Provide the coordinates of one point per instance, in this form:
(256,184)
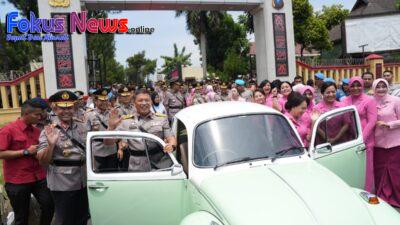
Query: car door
(123,196)
(337,144)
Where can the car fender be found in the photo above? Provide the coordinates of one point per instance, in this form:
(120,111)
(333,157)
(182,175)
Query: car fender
(201,218)
(382,213)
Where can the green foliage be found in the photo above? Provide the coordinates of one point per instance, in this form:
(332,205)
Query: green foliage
(398,4)
(116,73)
(25,6)
(228,39)
(139,67)
(17,55)
(171,63)
(234,65)
(310,31)
(247,21)
(333,15)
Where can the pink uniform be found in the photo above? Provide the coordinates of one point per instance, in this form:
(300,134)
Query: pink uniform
(367,111)
(387,148)
(282,101)
(303,127)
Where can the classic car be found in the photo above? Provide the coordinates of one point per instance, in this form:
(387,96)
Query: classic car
(237,164)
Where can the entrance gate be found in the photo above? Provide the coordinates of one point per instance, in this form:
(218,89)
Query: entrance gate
(65,64)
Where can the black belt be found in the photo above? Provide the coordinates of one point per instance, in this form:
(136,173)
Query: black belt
(175,107)
(143,153)
(71,163)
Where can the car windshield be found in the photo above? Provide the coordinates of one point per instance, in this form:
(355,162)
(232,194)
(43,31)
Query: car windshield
(244,138)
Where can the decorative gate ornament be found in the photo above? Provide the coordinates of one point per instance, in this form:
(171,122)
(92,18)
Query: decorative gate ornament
(277,4)
(59,3)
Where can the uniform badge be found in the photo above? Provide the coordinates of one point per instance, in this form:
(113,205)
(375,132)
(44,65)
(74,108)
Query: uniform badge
(104,92)
(65,96)
(126,89)
(66,153)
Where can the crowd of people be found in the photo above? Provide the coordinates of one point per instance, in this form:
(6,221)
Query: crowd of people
(44,149)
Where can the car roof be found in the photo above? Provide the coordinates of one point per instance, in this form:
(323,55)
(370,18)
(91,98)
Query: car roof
(196,114)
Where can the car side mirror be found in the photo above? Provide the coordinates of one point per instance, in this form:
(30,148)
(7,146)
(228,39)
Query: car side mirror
(324,148)
(176,169)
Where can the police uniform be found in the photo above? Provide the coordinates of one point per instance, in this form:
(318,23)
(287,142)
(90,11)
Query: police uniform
(105,155)
(153,123)
(198,97)
(66,174)
(125,110)
(174,102)
(80,113)
(224,96)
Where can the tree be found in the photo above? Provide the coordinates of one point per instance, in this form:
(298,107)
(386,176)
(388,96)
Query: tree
(247,21)
(118,73)
(234,65)
(25,6)
(309,31)
(139,67)
(180,58)
(227,40)
(197,23)
(333,15)
(17,55)
(103,47)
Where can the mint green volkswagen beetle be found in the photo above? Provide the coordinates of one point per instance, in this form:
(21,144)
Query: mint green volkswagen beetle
(241,164)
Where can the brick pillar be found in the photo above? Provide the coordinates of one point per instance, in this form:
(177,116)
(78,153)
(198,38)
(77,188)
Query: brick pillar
(375,63)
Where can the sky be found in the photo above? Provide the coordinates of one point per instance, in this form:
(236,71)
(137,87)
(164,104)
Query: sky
(168,30)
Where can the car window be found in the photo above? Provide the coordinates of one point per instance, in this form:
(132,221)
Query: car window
(337,129)
(249,136)
(128,155)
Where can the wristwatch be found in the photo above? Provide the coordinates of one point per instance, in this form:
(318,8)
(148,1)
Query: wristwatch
(26,152)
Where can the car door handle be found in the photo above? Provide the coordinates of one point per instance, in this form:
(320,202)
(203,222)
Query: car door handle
(98,187)
(361,149)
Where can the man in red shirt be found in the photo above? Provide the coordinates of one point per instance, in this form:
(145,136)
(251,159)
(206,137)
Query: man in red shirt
(23,174)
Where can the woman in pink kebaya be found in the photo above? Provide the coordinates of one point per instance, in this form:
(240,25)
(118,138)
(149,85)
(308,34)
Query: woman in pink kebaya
(337,126)
(367,111)
(387,144)
(295,107)
(285,90)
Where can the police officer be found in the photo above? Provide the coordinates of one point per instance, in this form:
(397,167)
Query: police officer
(80,112)
(105,156)
(174,101)
(145,121)
(224,92)
(198,97)
(124,105)
(62,149)
(244,93)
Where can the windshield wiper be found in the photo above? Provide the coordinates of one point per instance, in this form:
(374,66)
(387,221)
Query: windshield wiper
(239,161)
(232,162)
(285,151)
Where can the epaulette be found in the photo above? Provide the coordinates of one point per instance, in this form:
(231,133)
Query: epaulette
(129,116)
(77,120)
(117,106)
(160,115)
(89,109)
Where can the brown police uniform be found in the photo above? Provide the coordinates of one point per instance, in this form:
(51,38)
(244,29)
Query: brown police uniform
(66,175)
(125,110)
(173,103)
(105,156)
(156,124)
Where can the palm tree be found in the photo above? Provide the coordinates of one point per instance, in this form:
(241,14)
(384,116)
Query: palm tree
(197,22)
(179,59)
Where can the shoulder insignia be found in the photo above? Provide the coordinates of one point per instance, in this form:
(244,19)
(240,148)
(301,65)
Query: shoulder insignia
(77,120)
(89,110)
(129,116)
(160,115)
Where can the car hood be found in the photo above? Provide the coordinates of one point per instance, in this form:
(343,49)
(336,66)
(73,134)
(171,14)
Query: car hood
(303,193)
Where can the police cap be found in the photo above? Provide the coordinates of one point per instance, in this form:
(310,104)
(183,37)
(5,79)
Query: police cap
(102,94)
(64,99)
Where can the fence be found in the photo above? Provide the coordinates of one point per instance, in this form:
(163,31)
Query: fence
(16,91)
(373,63)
